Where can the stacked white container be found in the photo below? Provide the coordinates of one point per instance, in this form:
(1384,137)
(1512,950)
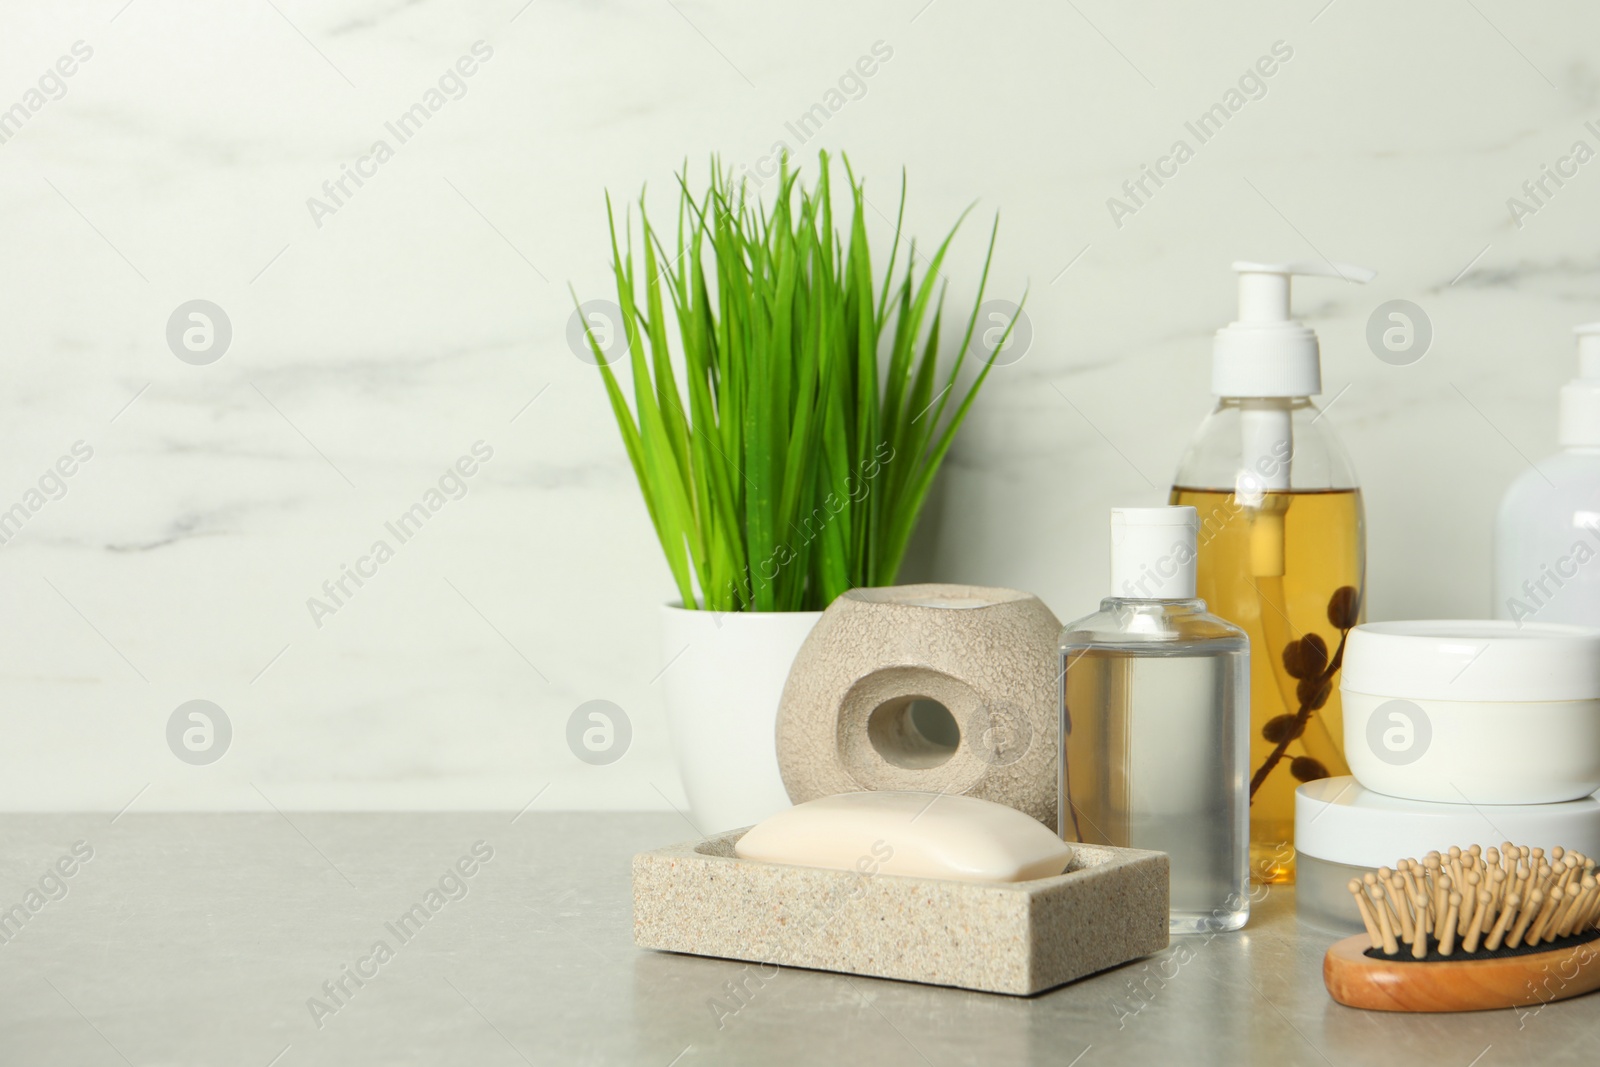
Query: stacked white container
(1457,733)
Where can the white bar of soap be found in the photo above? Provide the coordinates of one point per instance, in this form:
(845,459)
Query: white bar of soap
(920,835)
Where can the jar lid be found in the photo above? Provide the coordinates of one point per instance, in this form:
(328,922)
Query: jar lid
(1339,820)
(1473,660)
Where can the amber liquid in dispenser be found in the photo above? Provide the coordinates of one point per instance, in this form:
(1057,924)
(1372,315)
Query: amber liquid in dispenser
(1296,726)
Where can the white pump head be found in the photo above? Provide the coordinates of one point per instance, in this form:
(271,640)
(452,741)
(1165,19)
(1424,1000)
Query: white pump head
(1266,353)
(1580,398)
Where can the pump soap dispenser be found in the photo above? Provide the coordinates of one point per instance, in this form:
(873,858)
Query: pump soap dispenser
(1548,533)
(1282,547)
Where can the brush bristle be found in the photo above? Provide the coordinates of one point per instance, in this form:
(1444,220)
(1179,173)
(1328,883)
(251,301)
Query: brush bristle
(1478,900)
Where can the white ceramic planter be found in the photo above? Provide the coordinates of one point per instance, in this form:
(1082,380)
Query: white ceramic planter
(724,677)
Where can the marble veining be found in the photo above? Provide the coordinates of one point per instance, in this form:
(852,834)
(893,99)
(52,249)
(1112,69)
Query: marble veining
(430,311)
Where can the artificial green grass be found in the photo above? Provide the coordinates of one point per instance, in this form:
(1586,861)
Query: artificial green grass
(800,463)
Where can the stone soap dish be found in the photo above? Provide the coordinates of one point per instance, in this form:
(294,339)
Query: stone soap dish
(1109,907)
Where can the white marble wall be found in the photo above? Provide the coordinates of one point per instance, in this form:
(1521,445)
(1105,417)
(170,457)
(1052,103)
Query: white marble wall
(374,345)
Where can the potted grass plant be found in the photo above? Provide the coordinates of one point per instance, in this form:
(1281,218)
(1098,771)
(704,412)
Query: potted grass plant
(788,418)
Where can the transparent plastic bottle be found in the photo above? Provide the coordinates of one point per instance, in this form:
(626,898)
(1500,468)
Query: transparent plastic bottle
(1282,545)
(1547,534)
(1154,722)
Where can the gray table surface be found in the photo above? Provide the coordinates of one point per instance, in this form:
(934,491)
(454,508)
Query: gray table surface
(205,939)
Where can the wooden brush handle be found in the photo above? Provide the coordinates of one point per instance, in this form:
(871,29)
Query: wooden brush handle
(1355,979)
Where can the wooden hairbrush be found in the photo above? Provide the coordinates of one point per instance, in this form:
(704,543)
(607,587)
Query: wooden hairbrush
(1466,931)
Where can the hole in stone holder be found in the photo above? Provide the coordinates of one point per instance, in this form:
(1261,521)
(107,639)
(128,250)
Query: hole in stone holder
(914,732)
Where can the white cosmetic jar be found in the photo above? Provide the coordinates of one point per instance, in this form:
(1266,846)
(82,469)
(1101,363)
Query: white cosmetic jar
(1473,712)
(1342,831)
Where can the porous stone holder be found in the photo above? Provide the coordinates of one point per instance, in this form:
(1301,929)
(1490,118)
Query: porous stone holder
(1018,938)
(987,655)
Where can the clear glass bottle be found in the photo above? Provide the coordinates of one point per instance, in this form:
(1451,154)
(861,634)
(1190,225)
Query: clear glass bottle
(1155,715)
(1282,544)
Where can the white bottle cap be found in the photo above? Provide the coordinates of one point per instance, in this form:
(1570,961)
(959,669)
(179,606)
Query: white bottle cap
(1266,353)
(1153,553)
(1580,398)
(1338,820)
